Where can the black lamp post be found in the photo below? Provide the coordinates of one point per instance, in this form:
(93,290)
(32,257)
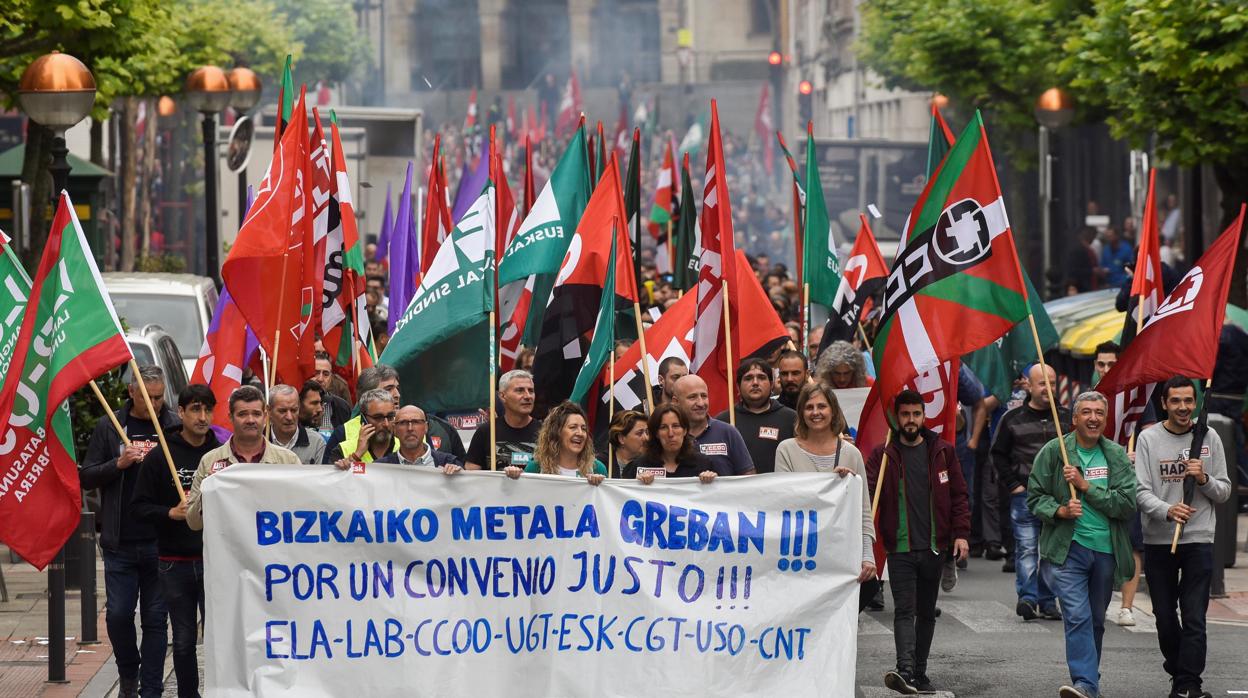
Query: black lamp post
(1054,109)
(208,92)
(57,91)
(245,91)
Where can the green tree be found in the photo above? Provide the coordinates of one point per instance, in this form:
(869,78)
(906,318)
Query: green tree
(1169,72)
(332,47)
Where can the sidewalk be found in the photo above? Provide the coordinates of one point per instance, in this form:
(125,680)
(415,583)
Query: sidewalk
(24,641)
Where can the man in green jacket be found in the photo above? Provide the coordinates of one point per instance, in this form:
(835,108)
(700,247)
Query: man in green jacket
(1085,544)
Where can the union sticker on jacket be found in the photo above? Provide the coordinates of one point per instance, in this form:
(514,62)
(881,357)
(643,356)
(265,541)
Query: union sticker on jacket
(943,476)
(772,433)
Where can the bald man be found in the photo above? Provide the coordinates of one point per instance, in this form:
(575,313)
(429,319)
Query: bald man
(1020,434)
(718,441)
(411,427)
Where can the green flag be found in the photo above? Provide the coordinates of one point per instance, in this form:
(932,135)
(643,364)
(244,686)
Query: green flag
(685,266)
(939,140)
(13,294)
(820,268)
(999,363)
(603,340)
(441,344)
(542,240)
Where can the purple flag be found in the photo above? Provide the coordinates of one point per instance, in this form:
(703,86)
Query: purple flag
(470,186)
(387,229)
(404,256)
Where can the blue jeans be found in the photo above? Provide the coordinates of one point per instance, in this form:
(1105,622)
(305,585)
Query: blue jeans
(1084,583)
(131,579)
(182,582)
(1028,582)
(1179,583)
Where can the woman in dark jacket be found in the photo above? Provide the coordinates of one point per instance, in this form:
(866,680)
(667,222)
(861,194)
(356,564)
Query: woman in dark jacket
(671,451)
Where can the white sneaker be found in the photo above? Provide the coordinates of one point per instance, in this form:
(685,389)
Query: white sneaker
(1125,618)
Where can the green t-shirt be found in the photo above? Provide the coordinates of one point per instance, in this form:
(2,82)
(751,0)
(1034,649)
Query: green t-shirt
(599,468)
(1092,528)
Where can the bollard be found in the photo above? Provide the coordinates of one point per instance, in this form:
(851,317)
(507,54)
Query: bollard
(56,619)
(89,634)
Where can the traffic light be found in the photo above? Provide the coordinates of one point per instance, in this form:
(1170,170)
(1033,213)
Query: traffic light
(775,68)
(805,101)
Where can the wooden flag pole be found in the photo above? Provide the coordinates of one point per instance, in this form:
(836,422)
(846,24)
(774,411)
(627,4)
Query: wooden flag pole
(493,399)
(108,410)
(806,320)
(732,398)
(875,500)
(645,358)
(611,412)
(160,433)
(1044,370)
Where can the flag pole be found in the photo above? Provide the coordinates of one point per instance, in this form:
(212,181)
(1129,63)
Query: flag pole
(806,319)
(1044,370)
(1193,452)
(671,249)
(611,412)
(875,501)
(493,398)
(732,398)
(160,432)
(108,410)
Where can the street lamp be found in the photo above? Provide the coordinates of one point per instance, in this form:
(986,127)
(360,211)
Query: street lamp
(208,92)
(1054,109)
(245,88)
(57,91)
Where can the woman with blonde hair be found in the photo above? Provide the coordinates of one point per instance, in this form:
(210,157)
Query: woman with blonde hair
(819,448)
(563,447)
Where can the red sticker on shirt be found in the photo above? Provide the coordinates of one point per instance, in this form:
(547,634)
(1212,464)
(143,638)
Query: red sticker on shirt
(436,441)
(218,466)
(357,467)
(943,476)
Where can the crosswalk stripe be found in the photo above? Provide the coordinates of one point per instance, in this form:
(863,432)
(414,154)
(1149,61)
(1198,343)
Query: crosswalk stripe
(869,624)
(992,617)
(882,692)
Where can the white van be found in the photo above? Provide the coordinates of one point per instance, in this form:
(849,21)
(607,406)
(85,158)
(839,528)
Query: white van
(181,304)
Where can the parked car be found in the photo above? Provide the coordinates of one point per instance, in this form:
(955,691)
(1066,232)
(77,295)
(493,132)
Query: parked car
(181,304)
(150,344)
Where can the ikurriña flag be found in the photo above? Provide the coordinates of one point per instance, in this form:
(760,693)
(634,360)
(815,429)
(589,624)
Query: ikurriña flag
(69,336)
(956,284)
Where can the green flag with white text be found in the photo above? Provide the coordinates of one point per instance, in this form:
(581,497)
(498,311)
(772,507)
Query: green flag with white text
(820,267)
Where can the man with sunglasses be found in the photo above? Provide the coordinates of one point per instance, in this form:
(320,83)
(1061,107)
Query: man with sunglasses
(371,435)
(411,427)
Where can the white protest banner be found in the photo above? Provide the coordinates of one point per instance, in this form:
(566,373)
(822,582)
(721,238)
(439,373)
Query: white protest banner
(406,581)
(851,401)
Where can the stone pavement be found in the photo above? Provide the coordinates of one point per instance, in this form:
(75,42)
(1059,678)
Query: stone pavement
(90,672)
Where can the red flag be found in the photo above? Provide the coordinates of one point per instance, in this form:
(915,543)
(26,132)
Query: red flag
(862,276)
(1181,336)
(470,119)
(506,215)
(716,274)
(437,224)
(270,250)
(345,327)
(530,190)
(229,348)
(1146,280)
(320,178)
(570,108)
(763,127)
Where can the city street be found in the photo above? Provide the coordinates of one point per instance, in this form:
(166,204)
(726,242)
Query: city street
(982,649)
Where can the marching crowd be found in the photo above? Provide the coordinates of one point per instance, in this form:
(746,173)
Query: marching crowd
(1085,515)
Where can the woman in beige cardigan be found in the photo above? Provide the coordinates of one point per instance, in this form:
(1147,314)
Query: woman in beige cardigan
(819,447)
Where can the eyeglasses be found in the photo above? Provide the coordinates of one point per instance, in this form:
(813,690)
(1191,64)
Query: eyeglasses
(387,417)
(409,423)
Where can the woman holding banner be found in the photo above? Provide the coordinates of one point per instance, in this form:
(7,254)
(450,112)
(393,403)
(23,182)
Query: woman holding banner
(671,451)
(627,437)
(819,448)
(563,447)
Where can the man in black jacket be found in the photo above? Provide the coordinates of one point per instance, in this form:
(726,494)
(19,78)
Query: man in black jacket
(1020,435)
(129,544)
(180,549)
(762,420)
